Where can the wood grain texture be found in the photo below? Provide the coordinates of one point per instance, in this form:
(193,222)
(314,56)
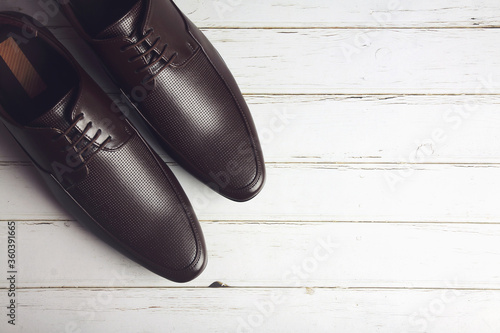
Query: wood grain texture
(364,129)
(310,192)
(343,255)
(313,13)
(232,310)
(379,121)
(346,61)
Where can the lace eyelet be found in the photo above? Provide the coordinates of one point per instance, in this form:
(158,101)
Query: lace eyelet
(151,61)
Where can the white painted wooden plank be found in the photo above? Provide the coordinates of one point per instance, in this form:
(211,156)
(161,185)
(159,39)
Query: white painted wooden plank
(395,61)
(311,192)
(327,13)
(315,13)
(353,129)
(345,255)
(256,310)
(347,61)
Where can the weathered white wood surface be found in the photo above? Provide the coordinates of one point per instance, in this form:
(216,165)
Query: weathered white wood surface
(380,123)
(258,310)
(344,255)
(347,61)
(311,192)
(314,13)
(362,129)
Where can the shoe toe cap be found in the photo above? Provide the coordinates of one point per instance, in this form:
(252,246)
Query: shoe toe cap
(205,124)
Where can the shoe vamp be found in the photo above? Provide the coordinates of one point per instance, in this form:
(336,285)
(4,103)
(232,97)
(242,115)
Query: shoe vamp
(193,109)
(127,193)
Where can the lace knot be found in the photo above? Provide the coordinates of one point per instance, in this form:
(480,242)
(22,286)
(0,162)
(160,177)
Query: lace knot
(74,144)
(149,50)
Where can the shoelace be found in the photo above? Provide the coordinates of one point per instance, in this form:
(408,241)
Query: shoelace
(74,144)
(149,51)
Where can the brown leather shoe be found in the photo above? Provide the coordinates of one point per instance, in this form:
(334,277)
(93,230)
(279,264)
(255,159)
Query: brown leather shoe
(94,161)
(180,86)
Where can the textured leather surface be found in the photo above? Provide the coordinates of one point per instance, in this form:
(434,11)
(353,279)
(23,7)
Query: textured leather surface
(95,106)
(193,105)
(139,186)
(124,192)
(166,24)
(204,120)
(50,156)
(126,25)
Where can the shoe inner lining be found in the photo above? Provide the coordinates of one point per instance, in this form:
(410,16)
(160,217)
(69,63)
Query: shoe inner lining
(33,75)
(96,15)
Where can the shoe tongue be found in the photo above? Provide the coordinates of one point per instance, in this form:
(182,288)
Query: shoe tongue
(58,117)
(124,26)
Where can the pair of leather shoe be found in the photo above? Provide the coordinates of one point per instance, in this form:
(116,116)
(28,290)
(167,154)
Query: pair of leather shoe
(94,160)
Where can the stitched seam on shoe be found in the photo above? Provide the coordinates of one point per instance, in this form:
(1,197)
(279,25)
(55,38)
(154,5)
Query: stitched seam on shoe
(256,179)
